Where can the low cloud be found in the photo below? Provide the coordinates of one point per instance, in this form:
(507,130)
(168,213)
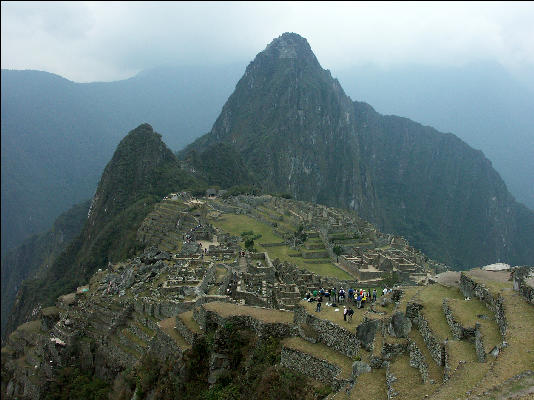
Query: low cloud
(90,41)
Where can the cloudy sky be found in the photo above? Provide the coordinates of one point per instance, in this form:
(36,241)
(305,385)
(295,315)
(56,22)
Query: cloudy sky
(103,41)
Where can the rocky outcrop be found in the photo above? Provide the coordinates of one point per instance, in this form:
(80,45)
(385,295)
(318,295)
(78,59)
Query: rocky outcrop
(400,326)
(366,331)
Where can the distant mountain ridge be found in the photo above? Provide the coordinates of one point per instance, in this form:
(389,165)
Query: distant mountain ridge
(58,135)
(297,131)
(77,125)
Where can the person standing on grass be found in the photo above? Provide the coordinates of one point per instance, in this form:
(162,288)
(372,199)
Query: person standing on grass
(359,301)
(319,301)
(350,313)
(334,295)
(374,295)
(345,311)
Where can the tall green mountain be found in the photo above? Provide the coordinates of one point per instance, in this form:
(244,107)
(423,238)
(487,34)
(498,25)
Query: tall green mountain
(298,132)
(37,253)
(142,170)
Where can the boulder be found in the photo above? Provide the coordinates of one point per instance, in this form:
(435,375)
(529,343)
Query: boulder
(400,326)
(366,331)
(360,367)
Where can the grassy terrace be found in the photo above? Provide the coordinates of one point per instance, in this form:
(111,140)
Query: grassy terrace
(519,355)
(167,326)
(328,313)
(274,216)
(466,377)
(432,298)
(408,384)
(496,282)
(145,329)
(370,386)
(189,322)
(220,273)
(512,360)
(125,349)
(262,314)
(236,224)
(435,372)
(133,339)
(466,312)
(321,352)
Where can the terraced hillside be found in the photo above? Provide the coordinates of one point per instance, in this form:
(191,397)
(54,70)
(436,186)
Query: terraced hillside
(203,318)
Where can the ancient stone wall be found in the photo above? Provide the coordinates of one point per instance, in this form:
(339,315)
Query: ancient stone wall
(479,344)
(209,320)
(328,333)
(413,311)
(456,328)
(417,360)
(519,276)
(495,303)
(163,347)
(308,365)
(209,278)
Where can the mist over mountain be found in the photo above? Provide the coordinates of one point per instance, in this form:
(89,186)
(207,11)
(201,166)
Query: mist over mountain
(482,103)
(58,135)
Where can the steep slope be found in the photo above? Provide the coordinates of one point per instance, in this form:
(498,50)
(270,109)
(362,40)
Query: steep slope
(140,173)
(482,103)
(297,131)
(37,253)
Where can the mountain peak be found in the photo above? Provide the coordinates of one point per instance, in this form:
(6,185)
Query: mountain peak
(289,45)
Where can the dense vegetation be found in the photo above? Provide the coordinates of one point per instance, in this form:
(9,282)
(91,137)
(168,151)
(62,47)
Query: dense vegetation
(254,372)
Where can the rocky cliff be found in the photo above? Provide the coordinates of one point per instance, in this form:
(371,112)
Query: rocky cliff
(297,132)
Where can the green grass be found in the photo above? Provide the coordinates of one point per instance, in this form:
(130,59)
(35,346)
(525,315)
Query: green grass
(466,314)
(408,384)
(435,372)
(432,298)
(236,224)
(134,339)
(220,273)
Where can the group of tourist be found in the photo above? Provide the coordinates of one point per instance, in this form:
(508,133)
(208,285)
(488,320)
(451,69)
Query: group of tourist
(358,297)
